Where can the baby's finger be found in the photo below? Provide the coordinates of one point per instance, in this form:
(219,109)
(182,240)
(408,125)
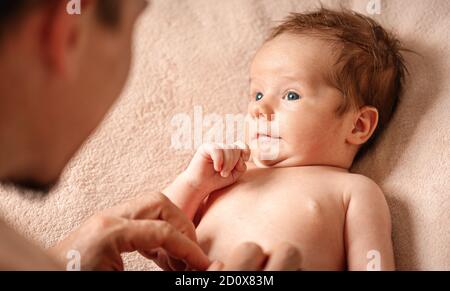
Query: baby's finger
(216,154)
(245,150)
(231,157)
(217,157)
(241,167)
(237,173)
(227,161)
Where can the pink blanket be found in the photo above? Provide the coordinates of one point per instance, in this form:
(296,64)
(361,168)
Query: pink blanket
(197,52)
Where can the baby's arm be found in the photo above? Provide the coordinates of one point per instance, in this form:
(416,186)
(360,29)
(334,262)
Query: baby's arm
(213,167)
(184,195)
(368,228)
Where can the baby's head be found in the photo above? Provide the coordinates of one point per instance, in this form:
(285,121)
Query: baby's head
(330,82)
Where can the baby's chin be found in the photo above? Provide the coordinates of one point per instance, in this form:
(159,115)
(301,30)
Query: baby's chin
(285,162)
(281,160)
(267,152)
(264,163)
(269,160)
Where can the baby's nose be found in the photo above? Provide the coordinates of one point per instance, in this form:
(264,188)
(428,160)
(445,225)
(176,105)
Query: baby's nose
(262,110)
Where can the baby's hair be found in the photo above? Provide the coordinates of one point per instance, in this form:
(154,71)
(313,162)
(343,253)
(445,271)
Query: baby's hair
(369,69)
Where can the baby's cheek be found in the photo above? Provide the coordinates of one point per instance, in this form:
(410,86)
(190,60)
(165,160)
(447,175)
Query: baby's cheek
(310,133)
(300,126)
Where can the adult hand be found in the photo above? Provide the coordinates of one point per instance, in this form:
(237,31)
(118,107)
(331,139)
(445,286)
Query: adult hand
(251,257)
(146,225)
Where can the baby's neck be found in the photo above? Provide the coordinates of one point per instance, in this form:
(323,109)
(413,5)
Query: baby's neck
(294,164)
(255,164)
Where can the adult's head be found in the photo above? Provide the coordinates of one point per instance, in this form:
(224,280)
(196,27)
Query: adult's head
(59,75)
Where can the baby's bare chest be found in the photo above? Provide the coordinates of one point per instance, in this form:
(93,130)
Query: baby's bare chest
(270,210)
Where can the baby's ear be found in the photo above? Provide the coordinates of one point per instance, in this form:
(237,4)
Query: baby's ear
(364,124)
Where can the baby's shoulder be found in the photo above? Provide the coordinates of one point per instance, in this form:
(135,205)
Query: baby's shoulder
(358,187)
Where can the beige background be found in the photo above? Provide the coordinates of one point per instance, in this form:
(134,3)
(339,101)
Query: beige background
(197,52)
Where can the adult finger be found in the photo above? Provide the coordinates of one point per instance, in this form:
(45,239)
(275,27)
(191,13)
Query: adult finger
(146,235)
(246,257)
(154,206)
(216,266)
(285,258)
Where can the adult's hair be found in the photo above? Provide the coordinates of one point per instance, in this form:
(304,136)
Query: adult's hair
(13,11)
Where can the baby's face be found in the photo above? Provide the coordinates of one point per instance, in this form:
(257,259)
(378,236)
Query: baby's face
(291,94)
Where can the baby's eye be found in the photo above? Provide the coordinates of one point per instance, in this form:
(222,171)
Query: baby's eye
(259,96)
(291,96)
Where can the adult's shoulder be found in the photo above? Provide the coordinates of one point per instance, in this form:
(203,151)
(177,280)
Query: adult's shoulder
(17,253)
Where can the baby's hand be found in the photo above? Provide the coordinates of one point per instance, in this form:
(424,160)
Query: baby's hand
(216,166)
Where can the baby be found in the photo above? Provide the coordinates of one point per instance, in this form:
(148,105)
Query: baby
(323,86)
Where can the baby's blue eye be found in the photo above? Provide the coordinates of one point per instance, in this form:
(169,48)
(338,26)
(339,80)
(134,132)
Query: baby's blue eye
(259,96)
(291,96)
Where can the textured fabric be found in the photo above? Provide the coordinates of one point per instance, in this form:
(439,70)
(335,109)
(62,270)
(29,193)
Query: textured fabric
(197,52)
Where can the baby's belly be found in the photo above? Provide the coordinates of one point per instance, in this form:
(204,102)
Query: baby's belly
(234,218)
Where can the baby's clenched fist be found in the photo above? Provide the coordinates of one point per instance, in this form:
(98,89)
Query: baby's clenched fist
(215,166)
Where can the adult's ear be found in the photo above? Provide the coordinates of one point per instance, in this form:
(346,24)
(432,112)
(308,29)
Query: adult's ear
(364,124)
(64,35)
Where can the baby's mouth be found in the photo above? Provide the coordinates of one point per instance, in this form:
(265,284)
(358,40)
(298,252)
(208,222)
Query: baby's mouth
(265,136)
(267,146)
